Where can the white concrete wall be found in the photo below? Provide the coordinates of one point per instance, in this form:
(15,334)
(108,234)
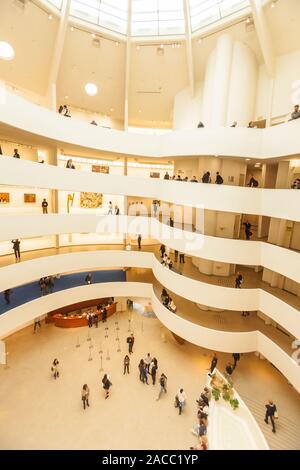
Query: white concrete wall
(203,247)
(237,142)
(196,291)
(280,203)
(187,109)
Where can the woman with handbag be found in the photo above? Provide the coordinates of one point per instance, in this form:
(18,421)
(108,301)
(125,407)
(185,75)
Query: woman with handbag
(106,385)
(272,413)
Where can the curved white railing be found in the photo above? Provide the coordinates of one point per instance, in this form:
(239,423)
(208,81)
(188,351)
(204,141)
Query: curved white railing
(234,142)
(226,250)
(196,291)
(280,203)
(24,315)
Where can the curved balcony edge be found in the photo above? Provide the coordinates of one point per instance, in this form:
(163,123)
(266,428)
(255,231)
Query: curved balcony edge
(196,291)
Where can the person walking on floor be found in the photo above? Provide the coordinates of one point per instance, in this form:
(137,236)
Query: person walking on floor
(7,294)
(248,232)
(45,206)
(141,367)
(126,364)
(16,247)
(236,358)
(130,341)
(139,240)
(163,385)
(90,319)
(180,400)
(110,208)
(37,323)
(54,368)
(104,315)
(143,373)
(239,281)
(106,384)
(88,278)
(153,372)
(148,360)
(85,394)
(271,412)
(213,364)
(96,318)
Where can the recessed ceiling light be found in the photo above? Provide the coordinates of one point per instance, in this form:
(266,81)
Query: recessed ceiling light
(66,97)
(93,35)
(72,28)
(161,46)
(140,110)
(248,20)
(50,17)
(6,51)
(91,89)
(117,43)
(273,5)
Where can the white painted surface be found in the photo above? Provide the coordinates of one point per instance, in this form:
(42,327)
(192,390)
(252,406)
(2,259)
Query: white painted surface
(280,203)
(225,141)
(226,250)
(196,291)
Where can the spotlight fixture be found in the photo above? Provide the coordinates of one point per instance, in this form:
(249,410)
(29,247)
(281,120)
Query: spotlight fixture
(50,17)
(91,89)
(273,4)
(72,28)
(248,20)
(93,35)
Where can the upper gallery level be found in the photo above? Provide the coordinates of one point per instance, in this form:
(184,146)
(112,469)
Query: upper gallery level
(261,144)
(156,63)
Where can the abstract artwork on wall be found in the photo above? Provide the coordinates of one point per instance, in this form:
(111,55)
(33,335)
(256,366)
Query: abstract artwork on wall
(91,200)
(30,198)
(100,169)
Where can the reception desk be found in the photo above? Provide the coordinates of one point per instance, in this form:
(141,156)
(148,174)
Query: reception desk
(67,317)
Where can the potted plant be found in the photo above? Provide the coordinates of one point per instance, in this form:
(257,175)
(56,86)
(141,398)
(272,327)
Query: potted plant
(234,403)
(216,393)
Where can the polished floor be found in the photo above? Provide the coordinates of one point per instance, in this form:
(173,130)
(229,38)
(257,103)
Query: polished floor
(37,412)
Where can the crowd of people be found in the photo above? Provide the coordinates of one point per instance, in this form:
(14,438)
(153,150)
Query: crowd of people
(200,429)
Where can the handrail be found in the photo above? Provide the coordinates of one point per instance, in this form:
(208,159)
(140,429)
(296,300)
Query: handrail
(190,289)
(280,203)
(226,250)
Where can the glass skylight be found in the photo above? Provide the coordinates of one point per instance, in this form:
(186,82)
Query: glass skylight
(56,3)
(152,17)
(205,12)
(157,17)
(111,14)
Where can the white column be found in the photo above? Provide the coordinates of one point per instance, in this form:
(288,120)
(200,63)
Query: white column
(221,79)
(57,53)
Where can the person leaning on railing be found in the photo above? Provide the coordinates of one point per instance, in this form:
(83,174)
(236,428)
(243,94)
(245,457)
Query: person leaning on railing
(296,113)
